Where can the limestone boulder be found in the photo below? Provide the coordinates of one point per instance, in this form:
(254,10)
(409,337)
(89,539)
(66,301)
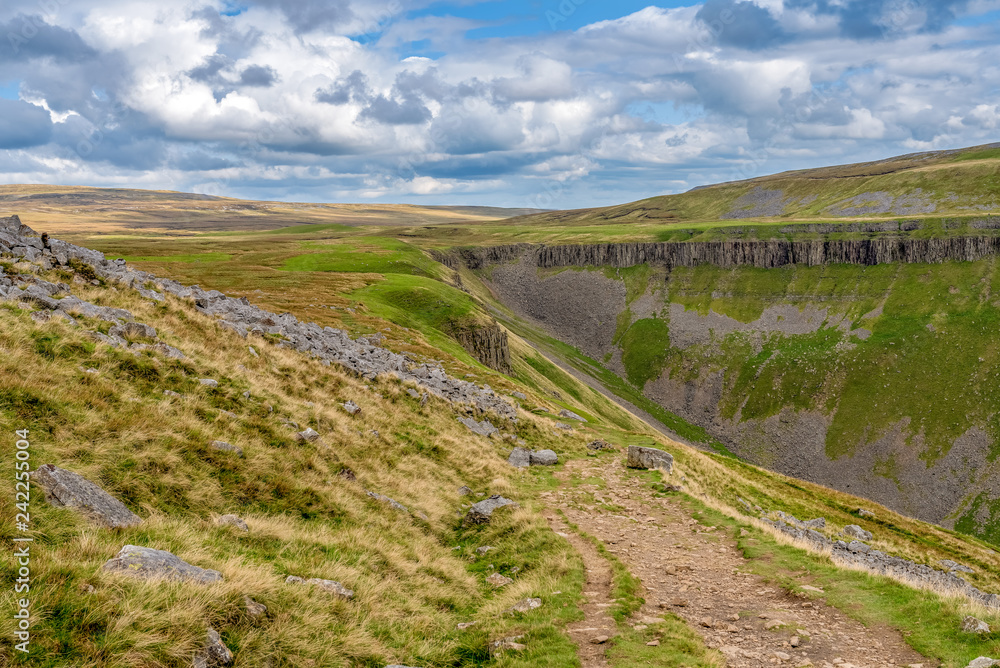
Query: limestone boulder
(65,488)
(145,563)
(650,458)
(482,512)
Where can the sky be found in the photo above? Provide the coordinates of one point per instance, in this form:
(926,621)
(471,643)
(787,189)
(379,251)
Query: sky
(526,103)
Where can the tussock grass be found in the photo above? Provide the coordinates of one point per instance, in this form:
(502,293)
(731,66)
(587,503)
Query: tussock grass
(117,428)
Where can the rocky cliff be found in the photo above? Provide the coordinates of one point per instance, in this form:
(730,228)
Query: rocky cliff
(738,252)
(865,365)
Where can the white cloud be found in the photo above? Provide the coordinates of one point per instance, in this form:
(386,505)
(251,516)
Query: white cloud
(489,119)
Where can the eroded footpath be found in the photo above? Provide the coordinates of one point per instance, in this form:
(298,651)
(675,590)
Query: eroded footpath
(698,573)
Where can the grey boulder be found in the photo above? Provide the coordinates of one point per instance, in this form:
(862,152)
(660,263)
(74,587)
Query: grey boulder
(983,662)
(854,531)
(65,488)
(482,512)
(520,458)
(571,415)
(972,625)
(649,458)
(149,564)
(483,428)
(544,458)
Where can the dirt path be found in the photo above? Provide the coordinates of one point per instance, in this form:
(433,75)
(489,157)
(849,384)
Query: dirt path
(697,573)
(597,624)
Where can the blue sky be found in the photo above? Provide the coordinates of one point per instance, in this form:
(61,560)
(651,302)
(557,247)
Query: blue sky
(528,103)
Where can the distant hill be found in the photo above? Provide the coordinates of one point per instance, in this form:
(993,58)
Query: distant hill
(953,182)
(81,209)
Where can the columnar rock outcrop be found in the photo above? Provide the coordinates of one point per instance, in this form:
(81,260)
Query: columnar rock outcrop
(765,254)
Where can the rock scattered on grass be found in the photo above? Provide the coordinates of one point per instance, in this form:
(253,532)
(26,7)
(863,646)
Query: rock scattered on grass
(983,662)
(209,382)
(351,408)
(972,625)
(254,609)
(571,415)
(483,428)
(149,564)
(520,458)
(854,531)
(65,488)
(650,458)
(526,605)
(392,502)
(955,567)
(464,491)
(234,521)
(544,458)
(482,512)
(563,426)
(215,652)
(222,446)
(600,444)
(483,549)
(496,580)
(511,644)
(307,435)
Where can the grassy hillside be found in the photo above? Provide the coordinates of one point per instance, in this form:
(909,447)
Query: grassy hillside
(74,209)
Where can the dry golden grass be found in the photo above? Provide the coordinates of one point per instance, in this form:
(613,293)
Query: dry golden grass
(117,428)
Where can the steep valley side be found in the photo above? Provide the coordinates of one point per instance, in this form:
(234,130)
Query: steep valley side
(876,379)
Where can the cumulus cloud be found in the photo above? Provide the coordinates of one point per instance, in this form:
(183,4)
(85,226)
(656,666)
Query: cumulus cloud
(328,99)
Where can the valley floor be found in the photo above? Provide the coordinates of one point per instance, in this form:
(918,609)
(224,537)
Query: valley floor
(699,574)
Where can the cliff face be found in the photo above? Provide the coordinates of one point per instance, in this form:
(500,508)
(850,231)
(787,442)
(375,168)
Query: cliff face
(739,253)
(865,365)
(488,344)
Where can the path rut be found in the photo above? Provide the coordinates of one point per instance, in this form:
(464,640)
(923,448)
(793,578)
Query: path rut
(698,574)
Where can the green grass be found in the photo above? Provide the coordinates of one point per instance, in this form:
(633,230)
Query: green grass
(929,623)
(377,255)
(191,257)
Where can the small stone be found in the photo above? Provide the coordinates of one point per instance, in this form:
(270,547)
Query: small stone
(464,491)
(215,652)
(772,624)
(170,393)
(794,641)
(599,640)
(571,415)
(972,625)
(854,531)
(706,622)
(208,382)
(497,580)
(653,643)
(351,408)
(233,520)
(222,446)
(484,549)
(308,435)
(328,586)
(465,625)
(525,605)
(253,351)
(254,609)
(781,656)
(482,512)
(510,644)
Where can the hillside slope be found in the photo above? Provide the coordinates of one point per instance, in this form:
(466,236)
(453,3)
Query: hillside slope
(105,366)
(940,183)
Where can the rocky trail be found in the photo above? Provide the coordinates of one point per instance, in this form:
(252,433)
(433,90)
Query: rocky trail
(698,574)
